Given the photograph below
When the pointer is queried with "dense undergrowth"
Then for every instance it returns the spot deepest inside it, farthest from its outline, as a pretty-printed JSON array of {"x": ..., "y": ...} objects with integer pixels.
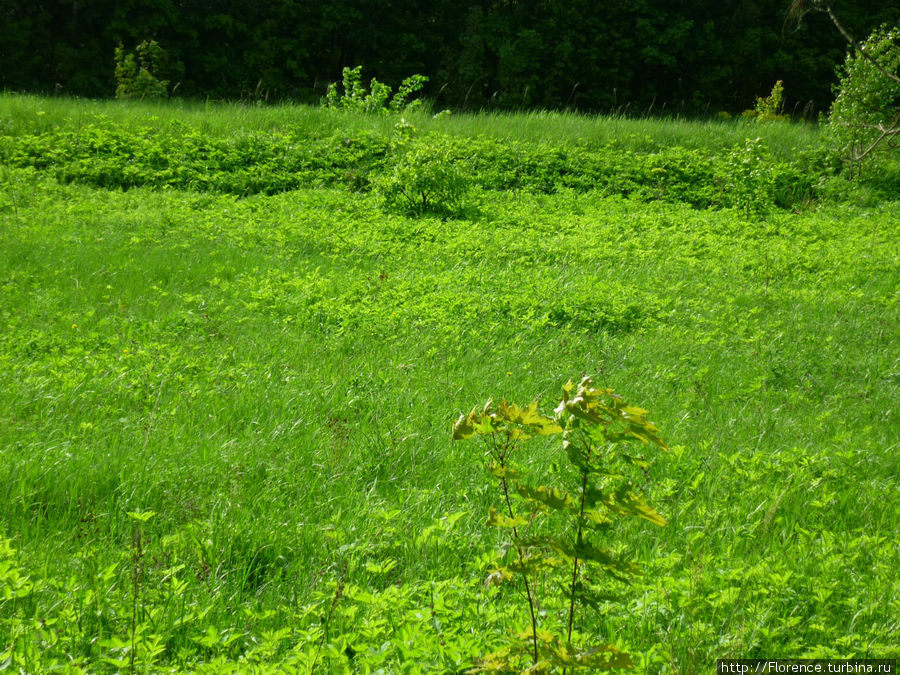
[
  {"x": 226, "y": 403},
  {"x": 178, "y": 154},
  {"x": 267, "y": 163}
]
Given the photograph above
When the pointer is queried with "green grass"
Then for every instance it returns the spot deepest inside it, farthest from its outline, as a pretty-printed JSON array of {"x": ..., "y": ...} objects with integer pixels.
[
  {"x": 275, "y": 377},
  {"x": 31, "y": 114}
]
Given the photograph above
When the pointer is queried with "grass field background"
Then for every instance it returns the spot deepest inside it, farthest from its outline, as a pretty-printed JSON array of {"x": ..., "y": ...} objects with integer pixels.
[{"x": 274, "y": 376}]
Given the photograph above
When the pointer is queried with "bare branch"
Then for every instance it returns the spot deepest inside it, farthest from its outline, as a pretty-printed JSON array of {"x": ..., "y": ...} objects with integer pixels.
[
  {"x": 799, "y": 9},
  {"x": 885, "y": 136},
  {"x": 856, "y": 45}
]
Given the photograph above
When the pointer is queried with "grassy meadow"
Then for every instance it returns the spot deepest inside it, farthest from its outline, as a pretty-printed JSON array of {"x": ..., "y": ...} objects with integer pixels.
[{"x": 228, "y": 375}]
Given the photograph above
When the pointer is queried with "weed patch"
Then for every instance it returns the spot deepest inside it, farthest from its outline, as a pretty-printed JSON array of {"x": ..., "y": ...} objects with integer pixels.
[{"x": 431, "y": 173}]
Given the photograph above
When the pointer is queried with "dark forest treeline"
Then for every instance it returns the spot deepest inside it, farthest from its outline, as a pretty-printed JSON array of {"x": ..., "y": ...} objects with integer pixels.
[{"x": 687, "y": 55}]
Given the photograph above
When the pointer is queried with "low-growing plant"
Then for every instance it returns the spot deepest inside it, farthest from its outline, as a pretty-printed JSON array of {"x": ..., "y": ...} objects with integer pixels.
[
  {"x": 768, "y": 108},
  {"x": 751, "y": 189},
  {"x": 750, "y": 185},
  {"x": 111, "y": 156},
  {"x": 559, "y": 548},
  {"x": 137, "y": 73},
  {"x": 378, "y": 98},
  {"x": 138, "y": 572},
  {"x": 423, "y": 177}
]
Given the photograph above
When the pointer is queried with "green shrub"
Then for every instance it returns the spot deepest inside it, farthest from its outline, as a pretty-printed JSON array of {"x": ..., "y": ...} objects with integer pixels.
[
  {"x": 378, "y": 98},
  {"x": 750, "y": 183},
  {"x": 865, "y": 117},
  {"x": 424, "y": 177},
  {"x": 768, "y": 108},
  {"x": 434, "y": 174},
  {"x": 137, "y": 74}
]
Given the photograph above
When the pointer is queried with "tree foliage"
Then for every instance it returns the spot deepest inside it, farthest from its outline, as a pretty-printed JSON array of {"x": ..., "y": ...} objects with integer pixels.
[
  {"x": 865, "y": 117},
  {"x": 136, "y": 72},
  {"x": 636, "y": 57},
  {"x": 352, "y": 94}
]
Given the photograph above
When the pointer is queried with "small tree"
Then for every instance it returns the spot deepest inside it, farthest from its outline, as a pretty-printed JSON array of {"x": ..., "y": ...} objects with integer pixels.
[
  {"x": 865, "y": 116},
  {"x": 559, "y": 526}
]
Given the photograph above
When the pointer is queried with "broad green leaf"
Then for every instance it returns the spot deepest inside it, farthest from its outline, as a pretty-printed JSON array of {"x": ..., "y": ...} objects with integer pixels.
[
  {"x": 519, "y": 433},
  {"x": 502, "y": 471},
  {"x": 141, "y": 516},
  {"x": 518, "y": 423},
  {"x": 634, "y": 411},
  {"x": 597, "y": 517},
  {"x": 496, "y": 519},
  {"x": 624, "y": 502},
  {"x": 619, "y": 568},
  {"x": 639, "y": 507},
  {"x": 600, "y": 657},
  {"x": 590, "y": 596},
  {"x": 464, "y": 427},
  {"x": 613, "y": 419},
  {"x": 648, "y": 433},
  {"x": 576, "y": 454},
  {"x": 475, "y": 423},
  {"x": 494, "y": 662},
  {"x": 497, "y": 577},
  {"x": 529, "y": 416},
  {"x": 533, "y": 563},
  {"x": 551, "y": 497}
]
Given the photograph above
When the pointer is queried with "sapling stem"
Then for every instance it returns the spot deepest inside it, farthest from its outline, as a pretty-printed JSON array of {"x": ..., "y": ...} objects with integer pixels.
[
  {"x": 338, "y": 594},
  {"x": 500, "y": 457},
  {"x": 578, "y": 540},
  {"x": 137, "y": 555}
]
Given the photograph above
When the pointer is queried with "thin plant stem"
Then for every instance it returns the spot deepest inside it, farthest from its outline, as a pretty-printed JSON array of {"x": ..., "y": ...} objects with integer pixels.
[
  {"x": 501, "y": 458},
  {"x": 137, "y": 554},
  {"x": 578, "y": 540},
  {"x": 338, "y": 593},
  {"x": 849, "y": 38}
]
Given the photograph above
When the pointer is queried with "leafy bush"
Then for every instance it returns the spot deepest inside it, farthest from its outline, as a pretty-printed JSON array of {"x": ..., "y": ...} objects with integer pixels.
[
  {"x": 378, "y": 98},
  {"x": 424, "y": 177},
  {"x": 768, "y": 108},
  {"x": 865, "y": 115},
  {"x": 137, "y": 73},
  {"x": 751, "y": 185},
  {"x": 554, "y": 532}
]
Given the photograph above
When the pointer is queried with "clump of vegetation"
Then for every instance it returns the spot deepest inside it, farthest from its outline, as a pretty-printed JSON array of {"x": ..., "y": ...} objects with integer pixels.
[
  {"x": 750, "y": 179},
  {"x": 865, "y": 116},
  {"x": 397, "y": 161},
  {"x": 378, "y": 98},
  {"x": 137, "y": 73},
  {"x": 769, "y": 108},
  {"x": 423, "y": 177},
  {"x": 558, "y": 547}
]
